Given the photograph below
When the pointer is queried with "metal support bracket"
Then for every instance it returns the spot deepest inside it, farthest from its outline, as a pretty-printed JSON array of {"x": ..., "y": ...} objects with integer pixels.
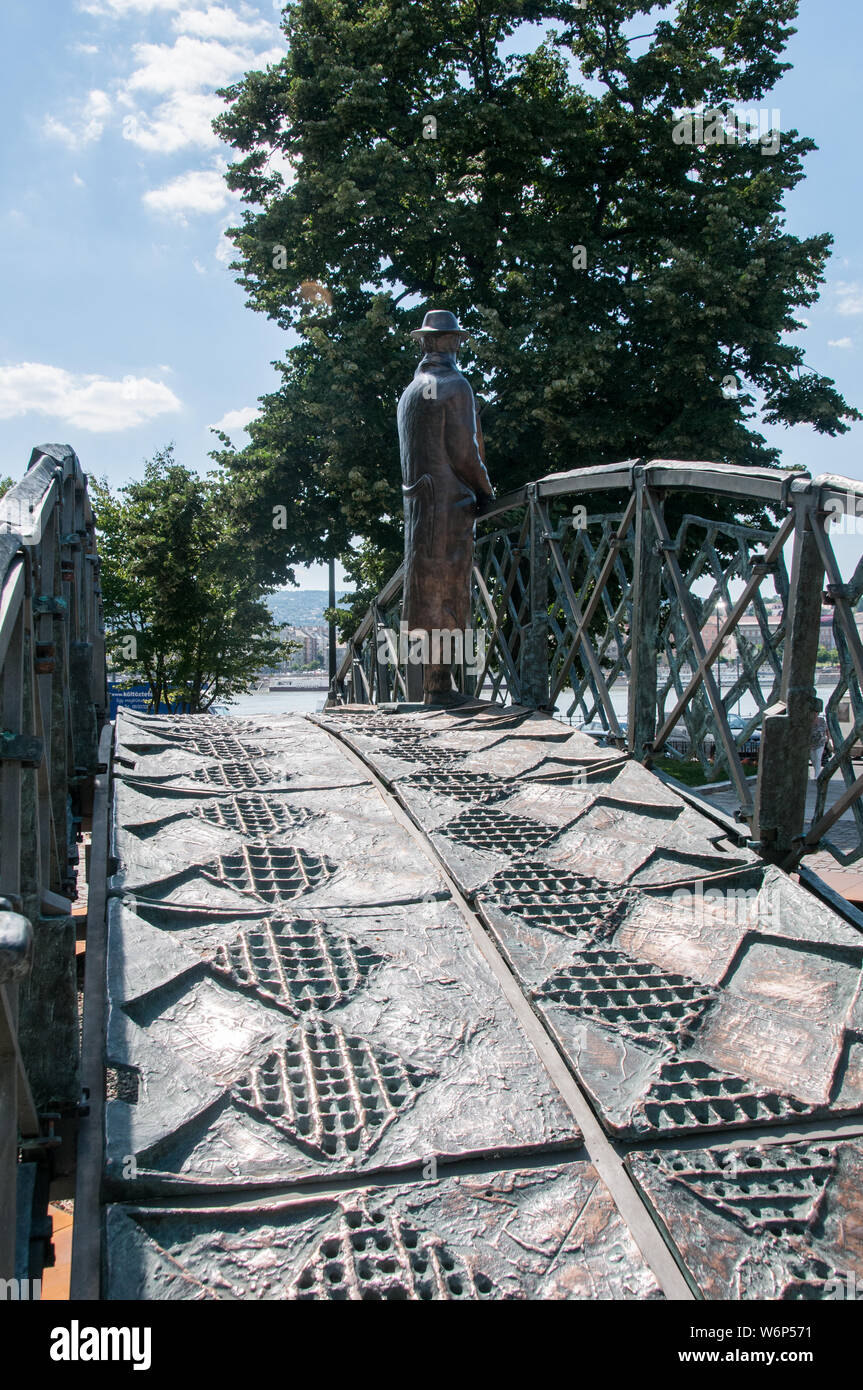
[
  {"x": 21, "y": 748},
  {"x": 49, "y": 603}
]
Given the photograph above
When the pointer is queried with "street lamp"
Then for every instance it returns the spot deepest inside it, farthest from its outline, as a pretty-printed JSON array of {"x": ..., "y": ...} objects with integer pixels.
[{"x": 332, "y": 625}]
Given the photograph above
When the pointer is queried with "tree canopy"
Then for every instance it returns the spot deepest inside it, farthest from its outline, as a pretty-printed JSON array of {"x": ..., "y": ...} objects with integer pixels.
[
  {"x": 629, "y": 281},
  {"x": 182, "y": 604}
]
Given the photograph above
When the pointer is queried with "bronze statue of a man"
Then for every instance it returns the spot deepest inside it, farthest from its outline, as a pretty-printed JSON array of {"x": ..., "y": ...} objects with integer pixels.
[{"x": 443, "y": 476}]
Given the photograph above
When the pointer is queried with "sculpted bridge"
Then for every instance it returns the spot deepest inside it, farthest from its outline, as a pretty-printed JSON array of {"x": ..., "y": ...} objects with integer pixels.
[{"x": 395, "y": 1002}]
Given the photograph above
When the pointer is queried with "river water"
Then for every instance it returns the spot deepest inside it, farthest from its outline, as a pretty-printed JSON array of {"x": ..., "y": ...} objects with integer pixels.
[
  {"x": 303, "y": 701},
  {"x": 279, "y": 702}
]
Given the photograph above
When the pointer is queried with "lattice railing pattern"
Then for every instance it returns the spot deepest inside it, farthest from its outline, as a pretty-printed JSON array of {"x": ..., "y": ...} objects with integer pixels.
[
  {"x": 702, "y": 640},
  {"x": 838, "y": 826},
  {"x": 718, "y": 555},
  {"x": 597, "y": 561},
  {"x": 501, "y": 608}
]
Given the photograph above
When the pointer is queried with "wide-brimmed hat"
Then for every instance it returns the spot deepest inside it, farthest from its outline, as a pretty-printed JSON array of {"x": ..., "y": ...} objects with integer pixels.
[{"x": 438, "y": 321}]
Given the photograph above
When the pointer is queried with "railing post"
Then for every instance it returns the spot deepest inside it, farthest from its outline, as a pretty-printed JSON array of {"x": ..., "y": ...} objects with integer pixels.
[
  {"x": 533, "y": 651},
  {"x": 382, "y": 675},
  {"x": 783, "y": 762},
  {"x": 85, "y": 736},
  {"x": 643, "y": 652},
  {"x": 413, "y": 674},
  {"x": 15, "y": 945},
  {"x": 11, "y": 678}
]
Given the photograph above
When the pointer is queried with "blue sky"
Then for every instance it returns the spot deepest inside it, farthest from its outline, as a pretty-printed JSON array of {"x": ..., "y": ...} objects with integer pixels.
[{"x": 122, "y": 327}]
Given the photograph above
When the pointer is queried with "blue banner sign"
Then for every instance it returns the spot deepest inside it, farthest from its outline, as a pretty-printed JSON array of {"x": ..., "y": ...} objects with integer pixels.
[{"x": 133, "y": 697}]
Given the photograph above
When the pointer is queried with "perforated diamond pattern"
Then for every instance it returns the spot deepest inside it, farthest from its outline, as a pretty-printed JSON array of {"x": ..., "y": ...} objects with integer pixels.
[
  {"x": 418, "y": 748},
  {"x": 373, "y": 1256},
  {"x": 273, "y": 873},
  {"x": 497, "y": 833},
  {"x": 562, "y": 901},
  {"x": 254, "y": 815},
  {"x": 333, "y": 1094},
  {"x": 378, "y": 725},
  {"x": 692, "y": 1094},
  {"x": 443, "y": 758},
  {"x": 170, "y": 727},
  {"x": 236, "y": 774},
  {"x": 810, "y": 1277},
  {"x": 462, "y": 786},
  {"x": 225, "y": 749},
  {"x": 776, "y": 1188},
  {"x": 410, "y": 744},
  {"x": 631, "y": 996},
  {"x": 296, "y": 965}
]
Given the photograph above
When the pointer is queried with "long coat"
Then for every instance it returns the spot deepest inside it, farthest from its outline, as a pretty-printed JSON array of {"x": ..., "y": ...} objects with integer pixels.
[{"x": 443, "y": 474}]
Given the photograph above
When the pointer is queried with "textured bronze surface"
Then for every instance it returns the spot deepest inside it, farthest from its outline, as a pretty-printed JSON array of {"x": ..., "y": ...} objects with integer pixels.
[
  {"x": 692, "y": 988},
  {"x": 292, "y": 986},
  {"x": 775, "y": 1221},
  {"x": 549, "y": 1232},
  {"x": 299, "y": 995}
]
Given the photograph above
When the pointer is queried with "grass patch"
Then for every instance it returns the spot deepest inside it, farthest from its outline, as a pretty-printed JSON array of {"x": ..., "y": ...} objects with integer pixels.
[{"x": 690, "y": 773}]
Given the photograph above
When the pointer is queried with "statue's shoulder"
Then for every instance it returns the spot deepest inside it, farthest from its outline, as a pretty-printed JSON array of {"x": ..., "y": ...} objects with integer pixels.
[
  {"x": 454, "y": 385},
  {"x": 441, "y": 385}
]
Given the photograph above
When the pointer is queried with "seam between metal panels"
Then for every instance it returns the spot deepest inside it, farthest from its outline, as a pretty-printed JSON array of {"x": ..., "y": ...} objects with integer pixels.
[
  {"x": 662, "y": 1258},
  {"x": 304, "y": 1191},
  {"x": 87, "y": 1237}
]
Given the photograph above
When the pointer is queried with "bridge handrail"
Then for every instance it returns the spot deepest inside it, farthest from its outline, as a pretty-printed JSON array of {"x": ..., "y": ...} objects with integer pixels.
[
  {"x": 543, "y": 606},
  {"x": 53, "y": 700},
  {"x": 766, "y": 483}
]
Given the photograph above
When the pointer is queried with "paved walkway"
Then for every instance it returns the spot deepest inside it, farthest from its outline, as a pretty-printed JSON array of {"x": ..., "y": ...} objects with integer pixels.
[{"x": 457, "y": 1005}]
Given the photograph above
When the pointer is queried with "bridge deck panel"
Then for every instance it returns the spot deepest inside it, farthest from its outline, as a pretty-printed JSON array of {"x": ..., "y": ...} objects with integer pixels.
[{"x": 301, "y": 1019}]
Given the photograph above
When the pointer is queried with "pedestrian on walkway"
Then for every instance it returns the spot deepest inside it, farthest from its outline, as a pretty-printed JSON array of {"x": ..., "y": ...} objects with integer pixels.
[{"x": 818, "y": 737}]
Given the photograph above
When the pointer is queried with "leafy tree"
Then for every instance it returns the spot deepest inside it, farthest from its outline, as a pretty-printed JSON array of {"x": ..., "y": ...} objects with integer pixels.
[
  {"x": 616, "y": 276},
  {"x": 182, "y": 603}
]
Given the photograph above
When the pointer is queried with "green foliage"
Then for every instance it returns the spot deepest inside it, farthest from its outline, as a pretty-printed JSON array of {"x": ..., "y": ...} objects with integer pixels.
[
  {"x": 5, "y": 484},
  {"x": 182, "y": 604},
  {"x": 690, "y": 274}
]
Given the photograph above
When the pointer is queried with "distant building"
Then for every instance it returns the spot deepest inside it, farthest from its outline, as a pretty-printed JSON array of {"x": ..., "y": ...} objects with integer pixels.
[
  {"x": 311, "y": 645},
  {"x": 750, "y": 629}
]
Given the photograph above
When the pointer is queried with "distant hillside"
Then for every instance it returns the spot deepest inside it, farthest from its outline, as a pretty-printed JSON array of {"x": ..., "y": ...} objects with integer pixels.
[{"x": 300, "y": 607}]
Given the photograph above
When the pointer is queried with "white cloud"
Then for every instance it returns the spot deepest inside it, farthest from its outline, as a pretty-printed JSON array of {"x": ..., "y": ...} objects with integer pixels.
[
  {"x": 88, "y": 124},
  {"x": 225, "y": 251},
  {"x": 218, "y": 22},
  {"x": 237, "y": 420},
  {"x": 840, "y": 342},
  {"x": 850, "y": 298},
  {"x": 198, "y": 191},
  {"x": 184, "y": 75},
  {"x": 88, "y": 48},
  {"x": 86, "y": 402},
  {"x": 278, "y": 163},
  {"x": 78, "y": 181},
  {"x": 185, "y": 119},
  {"x": 186, "y": 66},
  {"x": 116, "y": 9}
]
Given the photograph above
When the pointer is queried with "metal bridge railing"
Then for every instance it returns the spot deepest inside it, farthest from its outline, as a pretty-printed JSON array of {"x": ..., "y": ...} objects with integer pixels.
[
  {"x": 54, "y": 698},
  {"x": 616, "y": 584}
]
